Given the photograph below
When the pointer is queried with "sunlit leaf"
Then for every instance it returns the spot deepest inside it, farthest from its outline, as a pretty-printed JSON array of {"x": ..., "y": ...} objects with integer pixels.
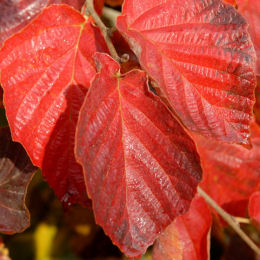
[
  {"x": 46, "y": 71},
  {"x": 141, "y": 168},
  {"x": 200, "y": 54}
]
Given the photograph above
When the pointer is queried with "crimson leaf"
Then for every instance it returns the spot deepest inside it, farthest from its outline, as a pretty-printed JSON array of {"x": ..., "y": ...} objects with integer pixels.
[
  {"x": 254, "y": 208},
  {"x": 141, "y": 168},
  {"x": 200, "y": 54},
  {"x": 231, "y": 173},
  {"x": 46, "y": 71}
]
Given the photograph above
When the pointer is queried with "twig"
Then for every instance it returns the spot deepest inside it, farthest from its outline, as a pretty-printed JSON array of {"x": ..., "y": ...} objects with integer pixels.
[
  {"x": 230, "y": 220},
  {"x": 104, "y": 30},
  {"x": 110, "y": 14},
  {"x": 242, "y": 220}
]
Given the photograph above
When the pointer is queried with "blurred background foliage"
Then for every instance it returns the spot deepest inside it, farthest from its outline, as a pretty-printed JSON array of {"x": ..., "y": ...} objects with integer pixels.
[
  {"x": 56, "y": 233},
  {"x": 71, "y": 234}
]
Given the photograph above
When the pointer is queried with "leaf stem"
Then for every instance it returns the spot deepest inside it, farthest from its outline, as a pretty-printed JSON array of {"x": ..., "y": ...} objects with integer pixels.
[
  {"x": 104, "y": 30},
  {"x": 230, "y": 220}
]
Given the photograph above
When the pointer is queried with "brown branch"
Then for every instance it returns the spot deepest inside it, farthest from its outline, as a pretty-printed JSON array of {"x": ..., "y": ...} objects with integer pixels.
[
  {"x": 230, "y": 220},
  {"x": 104, "y": 31}
]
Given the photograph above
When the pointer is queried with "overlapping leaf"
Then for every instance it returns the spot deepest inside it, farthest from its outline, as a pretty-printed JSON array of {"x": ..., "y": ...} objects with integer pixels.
[
  {"x": 201, "y": 56},
  {"x": 250, "y": 9},
  {"x": 187, "y": 238},
  {"x": 257, "y": 102},
  {"x": 46, "y": 71},
  {"x": 140, "y": 167},
  {"x": 16, "y": 171},
  {"x": 254, "y": 208},
  {"x": 15, "y": 14},
  {"x": 231, "y": 173}
]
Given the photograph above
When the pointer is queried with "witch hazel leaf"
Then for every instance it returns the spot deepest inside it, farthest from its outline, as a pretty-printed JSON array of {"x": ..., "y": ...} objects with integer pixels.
[
  {"x": 250, "y": 9},
  {"x": 140, "y": 167},
  {"x": 257, "y": 102},
  {"x": 187, "y": 238},
  {"x": 200, "y": 54},
  {"x": 254, "y": 208},
  {"x": 231, "y": 173},
  {"x": 15, "y": 14},
  {"x": 46, "y": 71},
  {"x": 16, "y": 171}
]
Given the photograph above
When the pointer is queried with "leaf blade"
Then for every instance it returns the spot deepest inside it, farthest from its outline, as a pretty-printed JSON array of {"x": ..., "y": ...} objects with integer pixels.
[
  {"x": 128, "y": 142},
  {"x": 44, "y": 90},
  {"x": 16, "y": 171},
  {"x": 230, "y": 172},
  {"x": 187, "y": 238},
  {"x": 202, "y": 61}
]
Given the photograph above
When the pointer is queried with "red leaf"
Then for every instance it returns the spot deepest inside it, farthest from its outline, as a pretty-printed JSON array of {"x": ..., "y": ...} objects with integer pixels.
[
  {"x": 200, "y": 55},
  {"x": 46, "y": 70},
  {"x": 141, "y": 168},
  {"x": 187, "y": 238},
  {"x": 254, "y": 208},
  {"x": 250, "y": 9},
  {"x": 16, "y": 171},
  {"x": 257, "y": 103},
  {"x": 15, "y": 14},
  {"x": 231, "y": 173}
]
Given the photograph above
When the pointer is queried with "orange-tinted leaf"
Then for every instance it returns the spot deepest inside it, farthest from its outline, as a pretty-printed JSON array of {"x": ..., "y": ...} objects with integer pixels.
[
  {"x": 99, "y": 4},
  {"x": 231, "y": 173},
  {"x": 16, "y": 171},
  {"x": 46, "y": 71},
  {"x": 233, "y": 2},
  {"x": 201, "y": 56},
  {"x": 187, "y": 238},
  {"x": 254, "y": 208},
  {"x": 250, "y": 9},
  {"x": 141, "y": 168},
  {"x": 15, "y": 14}
]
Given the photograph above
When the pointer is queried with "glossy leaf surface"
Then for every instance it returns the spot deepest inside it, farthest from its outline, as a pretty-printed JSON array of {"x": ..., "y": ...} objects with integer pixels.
[
  {"x": 231, "y": 173},
  {"x": 16, "y": 171},
  {"x": 250, "y": 9},
  {"x": 141, "y": 168},
  {"x": 15, "y": 14},
  {"x": 254, "y": 208},
  {"x": 187, "y": 238},
  {"x": 201, "y": 56},
  {"x": 46, "y": 71}
]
